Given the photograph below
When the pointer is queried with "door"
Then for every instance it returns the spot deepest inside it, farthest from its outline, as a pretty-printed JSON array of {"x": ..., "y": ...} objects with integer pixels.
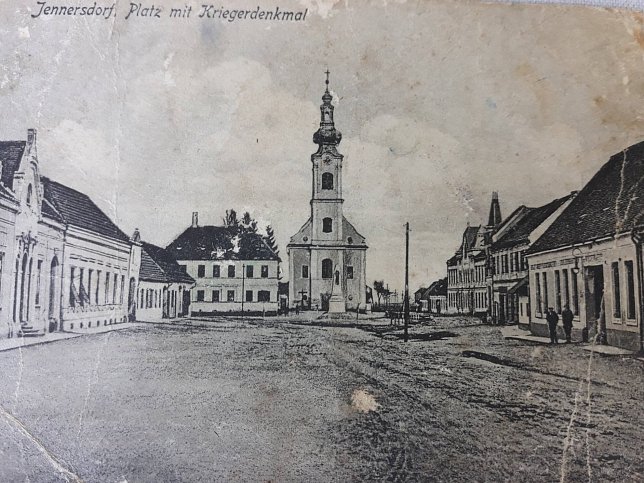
[
  {"x": 186, "y": 302},
  {"x": 324, "y": 297},
  {"x": 595, "y": 317}
]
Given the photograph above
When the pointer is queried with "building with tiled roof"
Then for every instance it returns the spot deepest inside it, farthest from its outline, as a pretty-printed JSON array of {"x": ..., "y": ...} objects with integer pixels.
[
  {"x": 234, "y": 269},
  {"x": 590, "y": 257},
  {"x": 434, "y": 298},
  {"x": 64, "y": 264},
  {"x": 508, "y": 266},
  {"x": 164, "y": 286}
]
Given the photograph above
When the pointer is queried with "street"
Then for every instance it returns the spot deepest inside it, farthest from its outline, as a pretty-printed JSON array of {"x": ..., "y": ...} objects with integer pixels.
[{"x": 323, "y": 400}]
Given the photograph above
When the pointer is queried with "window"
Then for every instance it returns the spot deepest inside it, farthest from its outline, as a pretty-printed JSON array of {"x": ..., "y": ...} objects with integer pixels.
[
  {"x": 215, "y": 295},
  {"x": 120, "y": 293},
  {"x": 141, "y": 297},
  {"x": 201, "y": 271},
  {"x": 264, "y": 271},
  {"x": 98, "y": 283},
  {"x": 29, "y": 194},
  {"x": 350, "y": 272},
  {"x": 305, "y": 271},
  {"x": 231, "y": 271},
  {"x": 630, "y": 290},
  {"x": 263, "y": 296},
  {"x": 216, "y": 271},
  {"x": 617, "y": 302},
  {"x": 557, "y": 291},
  {"x": 90, "y": 272},
  {"x": 327, "y": 181},
  {"x": 327, "y": 225},
  {"x": 537, "y": 285},
  {"x": 38, "y": 270},
  {"x": 327, "y": 268},
  {"x": 249, "y": 295},
  {"x": 107, "y": 288},
  {"x": 545, "y": 291},
  {"x": 114, "y": 289},
  {"x": 566, "y": 288},
  {"x": 249, "y": 271},
  {"x": 200, "y": 295},
  {"x": 231, "y": 295}
]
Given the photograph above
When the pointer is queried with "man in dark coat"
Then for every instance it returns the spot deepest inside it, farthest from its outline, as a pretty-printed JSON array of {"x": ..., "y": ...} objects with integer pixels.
[
  {"x": 566, "y": 318},
  {"x": 552, "y": 319}
]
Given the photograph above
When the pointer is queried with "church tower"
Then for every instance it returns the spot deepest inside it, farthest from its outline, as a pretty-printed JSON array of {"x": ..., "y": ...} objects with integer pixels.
[{"x": 327, "y": 257}]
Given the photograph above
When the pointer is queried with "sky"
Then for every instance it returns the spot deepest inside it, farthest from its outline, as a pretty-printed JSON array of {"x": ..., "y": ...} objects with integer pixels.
[{"x": 440, "y": 103}]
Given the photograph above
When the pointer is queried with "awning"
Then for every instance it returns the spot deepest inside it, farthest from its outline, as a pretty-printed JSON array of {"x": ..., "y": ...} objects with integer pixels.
[{"x": 520, "y": 288}]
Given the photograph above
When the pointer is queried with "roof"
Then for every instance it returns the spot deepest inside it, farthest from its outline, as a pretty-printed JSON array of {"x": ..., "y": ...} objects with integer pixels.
[
  {"x": 531, "y": 219},
  {"x": 158, "y": 265},
  {"x": 10, "y": 154},
  {"x": 349, "y": 234},
  {"x": 470, "y": 236},
  {"x": 220, "y": 243},
  {"x": 612, "y": 202},
  {"x": 437, "y": 288},
  {"x": 74, "y": 208}
]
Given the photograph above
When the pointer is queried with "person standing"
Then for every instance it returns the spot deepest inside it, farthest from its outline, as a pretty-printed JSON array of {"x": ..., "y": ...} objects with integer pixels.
[
  {"x": 552, "y": 319},
  {"x": 566, "y": 318}
]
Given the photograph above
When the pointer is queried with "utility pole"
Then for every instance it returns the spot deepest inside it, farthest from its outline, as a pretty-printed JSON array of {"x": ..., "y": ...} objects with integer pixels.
[{"x": 406, "y": 281}]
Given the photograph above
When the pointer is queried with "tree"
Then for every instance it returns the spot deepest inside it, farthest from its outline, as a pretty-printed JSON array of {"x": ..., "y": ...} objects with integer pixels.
[
  {"x": 248, "y": 224},
  {"x": 379, "y": 287},
  {"x": 270, "y": 239},
  {"x": 230, "y": 220}
]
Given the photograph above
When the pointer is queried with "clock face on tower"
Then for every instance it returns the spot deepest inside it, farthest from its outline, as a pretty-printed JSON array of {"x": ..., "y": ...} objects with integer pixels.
[{"x": 326, "y": 160}]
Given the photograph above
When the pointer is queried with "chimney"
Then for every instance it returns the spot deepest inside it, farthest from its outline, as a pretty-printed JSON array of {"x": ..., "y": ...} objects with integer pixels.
[
  {"x": 195, "y": 219},
  {"x": 136, "y": 236}
]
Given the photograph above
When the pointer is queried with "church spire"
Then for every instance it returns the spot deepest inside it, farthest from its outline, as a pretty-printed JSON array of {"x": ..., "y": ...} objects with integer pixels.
[{"x": 327, "y": 134}]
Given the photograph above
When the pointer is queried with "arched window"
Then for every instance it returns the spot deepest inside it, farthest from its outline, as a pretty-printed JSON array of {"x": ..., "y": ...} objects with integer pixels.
[
  {"x": 327, "y": 181},
  {"x": 327, "y": 225},
  {"x": 327, "y": 268},
  {"x": 29, "y": 195}
]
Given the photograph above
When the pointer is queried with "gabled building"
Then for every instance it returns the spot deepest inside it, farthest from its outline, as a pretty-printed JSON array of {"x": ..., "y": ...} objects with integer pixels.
[
  {"x": 327, "y": 256},
  {"x": 508, "y": 283},
  {"x": 164, "y": 286},
  {"x": 467, "y": 270},
  {"x": 63, "y": 263},
  {"x": 234, "y": 269},
  {"x": 590, "y": 258},
  {"x": 434, "y": 298}
]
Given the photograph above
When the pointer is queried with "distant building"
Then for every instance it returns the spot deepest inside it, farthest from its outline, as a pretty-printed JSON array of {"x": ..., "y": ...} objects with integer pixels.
[
  {"x": 64, "y": 265},
  {"x": 434, "y": 298},
  {"x": 508, "y": 282},
  {"x": 233, "y": 269},
  {"x": 327, "y": 256},
  {"x": 467, "y": 270},
  {"x": 590, "y": 258},
  {"x": 164, "y": 286}
]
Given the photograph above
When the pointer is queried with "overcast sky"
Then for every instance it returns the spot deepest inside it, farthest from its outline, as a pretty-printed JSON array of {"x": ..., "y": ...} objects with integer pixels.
[{"x": 439, "y": 104}]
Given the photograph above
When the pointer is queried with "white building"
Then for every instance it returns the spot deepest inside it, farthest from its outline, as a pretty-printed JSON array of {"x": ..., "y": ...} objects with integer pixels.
[
  {"x": 234, "y": 270},
  {"x": 590, "y": 258},
  {"x": 164, "y": 286},
  {"x": 63, "y": 262},
  {"x": 327, "y": 256}
]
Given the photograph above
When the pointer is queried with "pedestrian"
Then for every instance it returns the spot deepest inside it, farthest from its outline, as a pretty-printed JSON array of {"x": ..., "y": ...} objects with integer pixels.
[
  {"x": 552, "y": 319},
  {"x": 566, "y": 318},
  {"x": 297, "y": 309}
]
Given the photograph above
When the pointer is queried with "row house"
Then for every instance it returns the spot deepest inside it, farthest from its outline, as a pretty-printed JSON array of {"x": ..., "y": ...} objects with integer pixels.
[
  {"x": 434, "y": 298},
  {"x": 63, "y": 263},
  {"x": 508, "y": 275},
  {"x": 467, "y": 270},
  {"x": 164, "y": 286},
  {"x": 235, "y": 270},
  {"x": 590, "y": 257}
]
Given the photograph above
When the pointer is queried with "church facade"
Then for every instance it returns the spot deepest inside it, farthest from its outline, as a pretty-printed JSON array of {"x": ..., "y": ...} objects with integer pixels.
[{"x": 327, "y": 256}]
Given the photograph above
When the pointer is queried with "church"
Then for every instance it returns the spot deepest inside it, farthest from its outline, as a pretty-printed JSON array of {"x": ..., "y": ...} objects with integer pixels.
[{"x": 327, "y": 256}]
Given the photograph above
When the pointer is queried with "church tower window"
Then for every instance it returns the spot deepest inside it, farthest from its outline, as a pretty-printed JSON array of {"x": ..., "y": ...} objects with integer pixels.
[
  {"x": 327, "y": 268},
  {"x": 29, "y": 194},
  {"x": 327, "y": 181},
  {"x": 327, "y": 225}
]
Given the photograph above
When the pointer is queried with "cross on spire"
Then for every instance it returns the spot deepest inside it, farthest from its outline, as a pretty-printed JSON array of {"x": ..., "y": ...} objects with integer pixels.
[{"x": 327, "y": 79}]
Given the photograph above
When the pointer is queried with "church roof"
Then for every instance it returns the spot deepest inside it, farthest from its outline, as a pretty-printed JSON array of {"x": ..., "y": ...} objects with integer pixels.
[
  {"x": 349, "y": 233},
  {"x": 220, "y": 243},
  {"x": 74, "y": 208},
  {"x": 158, "y": 265},
  {"x": 612, "y": 202},
  {"x": 10, "y": 155}
]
